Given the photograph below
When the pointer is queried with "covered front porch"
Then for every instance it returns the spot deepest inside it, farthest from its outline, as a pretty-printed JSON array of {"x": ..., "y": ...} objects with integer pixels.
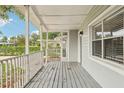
[
  {"x": 41, "y": 69},
  {"x": 62, "y": 75}
]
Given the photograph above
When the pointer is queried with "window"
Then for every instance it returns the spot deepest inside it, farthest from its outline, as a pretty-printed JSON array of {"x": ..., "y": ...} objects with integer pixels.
[
  {"x": 113, "y": 38},
  {"x": 113, "y": 49},
  {"x": 97, "y": 40},
  {"x": 113, "y": 27},
  {"x": 110, "y": 38},
  {"x": 97, "y": 48}
]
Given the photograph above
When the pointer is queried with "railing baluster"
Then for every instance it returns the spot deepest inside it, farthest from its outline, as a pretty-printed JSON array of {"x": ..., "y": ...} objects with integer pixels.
[
  {"x": 23, "y": 71},
  {"x": 22, "y": 65},
  {"x": 16, "y": 84},
  {"x": 1, "y": 64},
  {"x": 25, "y": 77},
  {"x": 17, "y": 73},
  {"x": 10, "y": 64},
  {"x": 19, "y": 69},
  {"x": 6, "y": 73},
  {"x": 14, "y": 73},
  {"x": 28, "y": 69}
]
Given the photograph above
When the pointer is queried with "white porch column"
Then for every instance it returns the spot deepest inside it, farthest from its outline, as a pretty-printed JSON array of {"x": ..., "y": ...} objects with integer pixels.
[
  {"x": 61, "y": 45},
  {"x": 46, "y": 46},
  {"x": 27, "y": 29},
  {"x": 41, "y": 41},
  {"x": 27, "y": 42}
]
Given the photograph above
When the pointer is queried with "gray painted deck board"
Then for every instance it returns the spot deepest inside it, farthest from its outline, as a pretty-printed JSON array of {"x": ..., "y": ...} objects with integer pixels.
[
  {"x": 73, "y": 83},
  {"x": 60, "y": 76},
  {"x": 68, "y": 76},
  {"x": 64, "y": 80},
  {"x": 51, "y": 82},
  {"x": 78, "y": 78},
  {"x": 43, "y": 80},
  {"x": 56, "y": 80},
  {"x": 39, "y": 80},
  {"x": 63, "y": 75}
]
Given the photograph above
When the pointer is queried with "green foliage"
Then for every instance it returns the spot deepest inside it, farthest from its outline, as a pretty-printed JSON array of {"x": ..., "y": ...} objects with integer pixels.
[
  {"x": 4, "y": 66},
  {"x": 44, "y": 35},
  {"x": 5, "y": 9},
  {"x": 16, "y": 50},
  {"x": 34, "y": 39},
  {"x": 4, "y": 39},
  {"x": 20, "y": 40},
  {"x": 53, "y": 35},
  {"x": 12, "y": 39}
]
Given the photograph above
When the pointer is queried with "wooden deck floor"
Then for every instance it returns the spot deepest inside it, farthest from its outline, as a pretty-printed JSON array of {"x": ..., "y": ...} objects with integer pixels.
[{"x": 63, "y": 75}]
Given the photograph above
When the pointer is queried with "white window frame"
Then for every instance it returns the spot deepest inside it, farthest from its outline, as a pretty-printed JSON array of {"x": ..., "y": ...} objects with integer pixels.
[{"x": 99, "y": 19}]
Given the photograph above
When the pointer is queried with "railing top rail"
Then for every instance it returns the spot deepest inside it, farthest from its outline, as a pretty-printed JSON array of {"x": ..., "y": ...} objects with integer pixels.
[{"x": 19, "y": 56}]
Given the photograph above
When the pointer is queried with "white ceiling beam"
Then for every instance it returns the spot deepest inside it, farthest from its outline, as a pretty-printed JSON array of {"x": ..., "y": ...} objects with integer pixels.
[
  {"x": 63, "y": 15},
  {"x": 38, "y": 16}
]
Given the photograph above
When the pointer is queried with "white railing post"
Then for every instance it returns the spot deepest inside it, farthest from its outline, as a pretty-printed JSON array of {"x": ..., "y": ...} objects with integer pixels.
[
  {"x": 28, "y": 68},
  {"x": 1, "y": 73},
  {"x": 10, "y": 68},
  {"x": 46, "y": 46},
  {"x": 61, "y": 45},
  {"x": 6, "y": 73},
  {"x": 41, "y": 43}
]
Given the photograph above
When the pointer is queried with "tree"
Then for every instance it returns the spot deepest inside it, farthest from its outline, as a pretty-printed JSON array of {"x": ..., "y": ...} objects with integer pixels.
[
  {"x": 1, "y": 32},
  {"x": 4, "y": 9},
  {"x": 20, "y": 40},
  {"x": 53, "y": 35},
  {"x": 4, "y": 39},
  {"x": 12, "y": 39},
  {"x": 34, "y": 38}
]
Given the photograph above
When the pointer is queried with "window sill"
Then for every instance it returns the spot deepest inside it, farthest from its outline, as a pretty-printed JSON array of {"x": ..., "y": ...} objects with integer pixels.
[{"x": 119, "y": 68}]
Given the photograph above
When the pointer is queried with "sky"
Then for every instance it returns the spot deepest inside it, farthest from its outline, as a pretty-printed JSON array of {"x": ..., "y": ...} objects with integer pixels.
[{"x": 14, "y": 26}]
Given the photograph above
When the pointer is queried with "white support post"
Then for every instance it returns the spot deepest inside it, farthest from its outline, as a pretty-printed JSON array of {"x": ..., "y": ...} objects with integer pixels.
[
  {"x": 79, "y": 47},
  {"x": 27, "y": 40},
  {"x": 68, "y": 45},
  {"x": 123, "y": 40},
  {"x": 41, "y": 41},
  {"x": 46, "y": 46},
  {"x": 27, "y": 29},
  {"x": 102, "y": 41},
  {"x": 61, "y": 46}
]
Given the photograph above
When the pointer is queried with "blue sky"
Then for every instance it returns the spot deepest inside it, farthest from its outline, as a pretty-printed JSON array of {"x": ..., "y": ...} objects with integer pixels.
[{"x": 15, "y": 26}]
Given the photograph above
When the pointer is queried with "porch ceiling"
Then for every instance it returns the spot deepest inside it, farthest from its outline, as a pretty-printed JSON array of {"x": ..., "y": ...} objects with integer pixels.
[{"x": 61, "y": 17}]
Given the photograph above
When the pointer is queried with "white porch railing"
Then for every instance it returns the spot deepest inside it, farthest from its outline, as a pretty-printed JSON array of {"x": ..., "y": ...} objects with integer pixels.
[
  {"x": 17, "y": 71},
  {"x": 53, "y": 55}
]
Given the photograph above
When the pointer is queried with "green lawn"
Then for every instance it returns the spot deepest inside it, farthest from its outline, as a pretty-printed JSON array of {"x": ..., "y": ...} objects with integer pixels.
[{"x": 16, "y": 50}]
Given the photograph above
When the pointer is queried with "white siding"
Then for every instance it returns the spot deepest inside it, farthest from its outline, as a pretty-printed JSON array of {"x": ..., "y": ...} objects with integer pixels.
[
  {"x": 101, "y": 71},
  {"x": 73, "y": 45}
]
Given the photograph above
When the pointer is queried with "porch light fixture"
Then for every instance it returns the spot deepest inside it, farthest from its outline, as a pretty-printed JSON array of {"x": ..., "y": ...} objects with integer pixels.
[{"x": 81, "y": 32}]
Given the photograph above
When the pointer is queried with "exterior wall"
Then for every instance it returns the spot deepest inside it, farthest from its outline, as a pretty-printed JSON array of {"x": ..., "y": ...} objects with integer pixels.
[
  {"x": 107, "y": 75},
  {"x": 104, "y": 74},
  {"x": 73, "y": 45}
]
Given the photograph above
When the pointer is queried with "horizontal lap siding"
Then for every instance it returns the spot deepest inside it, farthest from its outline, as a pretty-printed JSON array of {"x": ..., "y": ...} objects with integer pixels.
[{"x": 104, "y": 75}]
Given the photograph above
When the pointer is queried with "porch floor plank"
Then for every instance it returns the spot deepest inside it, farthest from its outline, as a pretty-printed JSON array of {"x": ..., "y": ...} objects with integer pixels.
[{"x": 63, "y": 75}]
